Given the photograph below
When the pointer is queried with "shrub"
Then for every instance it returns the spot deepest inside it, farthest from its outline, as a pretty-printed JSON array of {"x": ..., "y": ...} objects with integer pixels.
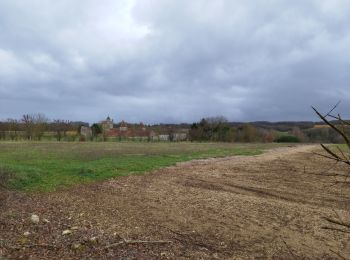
[{"x": 287, "y": 139}]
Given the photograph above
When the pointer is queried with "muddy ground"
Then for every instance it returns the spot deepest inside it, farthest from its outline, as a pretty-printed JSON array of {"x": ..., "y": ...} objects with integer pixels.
[{"x": 269, "y": 206}]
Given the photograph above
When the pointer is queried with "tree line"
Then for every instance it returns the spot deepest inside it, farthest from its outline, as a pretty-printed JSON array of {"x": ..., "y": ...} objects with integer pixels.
[
  {"x": 218, "y": 129},
  {"x": 34, "y": 126},
  {"x": 212, "y": 129}
]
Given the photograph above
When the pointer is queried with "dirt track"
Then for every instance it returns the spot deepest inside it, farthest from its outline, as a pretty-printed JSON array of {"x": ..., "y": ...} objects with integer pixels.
[{"x": 266, "y": 206}]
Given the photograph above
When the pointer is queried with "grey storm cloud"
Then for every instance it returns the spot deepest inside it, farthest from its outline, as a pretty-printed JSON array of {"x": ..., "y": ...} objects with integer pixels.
[{"x": 174, "y": 61}]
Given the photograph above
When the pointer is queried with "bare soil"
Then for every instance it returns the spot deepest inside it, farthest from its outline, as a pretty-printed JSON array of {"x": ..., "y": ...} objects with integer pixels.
[{"x": 269, "y": 206}]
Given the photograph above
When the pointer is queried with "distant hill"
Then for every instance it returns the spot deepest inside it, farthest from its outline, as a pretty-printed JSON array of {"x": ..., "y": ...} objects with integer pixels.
[{"x": 282, "y": 126}]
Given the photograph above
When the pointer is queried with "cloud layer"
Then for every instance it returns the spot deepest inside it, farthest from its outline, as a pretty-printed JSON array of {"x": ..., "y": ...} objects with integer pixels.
[{"x": 174, "y": 61}]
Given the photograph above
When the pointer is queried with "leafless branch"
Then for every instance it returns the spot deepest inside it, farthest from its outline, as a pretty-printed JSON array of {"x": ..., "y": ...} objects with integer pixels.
[
  {"x": 339, "y": 131},
  {"x": 340, "y": 156},
  {"x": 332, "y": 158},
  {"x": 330, "y": 111}
]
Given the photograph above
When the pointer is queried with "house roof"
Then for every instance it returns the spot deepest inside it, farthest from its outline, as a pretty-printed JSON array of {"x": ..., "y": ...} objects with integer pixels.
[{"x": 116, "y": 132}]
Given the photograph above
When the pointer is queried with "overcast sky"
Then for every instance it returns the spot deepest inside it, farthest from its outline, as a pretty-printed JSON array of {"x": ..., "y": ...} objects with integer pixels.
[{"x": 174, "y": 60}]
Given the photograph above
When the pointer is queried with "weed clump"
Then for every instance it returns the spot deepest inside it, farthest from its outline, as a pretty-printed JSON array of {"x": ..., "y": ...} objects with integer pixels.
[{"x": 5, "y": 176}]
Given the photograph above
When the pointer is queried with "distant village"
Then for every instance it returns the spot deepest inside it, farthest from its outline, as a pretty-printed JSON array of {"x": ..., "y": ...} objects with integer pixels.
[
  {"x": 127, "y": 131},
  {"x": 38, "y": 127}
]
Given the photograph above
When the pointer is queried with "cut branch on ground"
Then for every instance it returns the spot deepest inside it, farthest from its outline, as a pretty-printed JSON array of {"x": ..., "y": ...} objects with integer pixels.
[{"x": 128, "y": 242}]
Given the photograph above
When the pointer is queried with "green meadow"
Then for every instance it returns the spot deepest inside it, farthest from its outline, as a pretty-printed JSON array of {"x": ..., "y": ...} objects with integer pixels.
[{"x": 48, "y": 166}]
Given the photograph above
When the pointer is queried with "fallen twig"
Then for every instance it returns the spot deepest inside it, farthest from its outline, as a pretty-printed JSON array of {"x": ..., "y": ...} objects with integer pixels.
[
  {"x": 128, "y": 242},
  {"x": 336, "y": 229},
  {"x": 17, "y": 247},
  {"x": 187, "y": 238},
  {"x": 40, "y": 245},
  {"x": 337, "y": 222},
  {"x": 289, "y": 249},
  {"x": 338, "y": 254}
]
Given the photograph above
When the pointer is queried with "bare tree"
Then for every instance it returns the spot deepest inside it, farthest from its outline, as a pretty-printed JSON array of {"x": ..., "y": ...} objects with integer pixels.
[
  {"x": 13, "y": 128},
  {"x": 248, "y": 133},
  {"x": 28, "y": 122},
  {"x": 60, "y": 127},
  {"x": 34, "y": 125},
  {"x": 40, "y": 125},
  {"x": 298, "y": 133},
  {"x": 341, "y": 128},
  {"x": 338, "y": 155},
  {"x": 2, "y": 131}
]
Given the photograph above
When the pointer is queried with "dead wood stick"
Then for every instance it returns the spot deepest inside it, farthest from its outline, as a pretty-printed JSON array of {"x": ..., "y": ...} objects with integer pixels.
[
  {"x": 40, "y": 245},
  {"x": 128, "y": 242},
  {"x": 334, "y": 221},
  {"x": 16, "y": 247},
  {"x": 338, "y": 254},
  {"x": 336, "y": 229},
  {"x": 289, "y": 249}
]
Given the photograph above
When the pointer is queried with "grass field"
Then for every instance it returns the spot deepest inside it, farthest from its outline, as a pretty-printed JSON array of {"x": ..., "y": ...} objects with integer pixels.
[{"x": 47, "y": 166}]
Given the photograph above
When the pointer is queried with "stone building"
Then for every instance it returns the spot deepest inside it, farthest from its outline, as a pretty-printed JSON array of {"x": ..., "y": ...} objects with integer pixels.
[
  {"x": 107, "y": 124},
  {"x": 86, "y": 132},
  {"x": 123, "y": 130},
  {"x": 123, "y": 126}
]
